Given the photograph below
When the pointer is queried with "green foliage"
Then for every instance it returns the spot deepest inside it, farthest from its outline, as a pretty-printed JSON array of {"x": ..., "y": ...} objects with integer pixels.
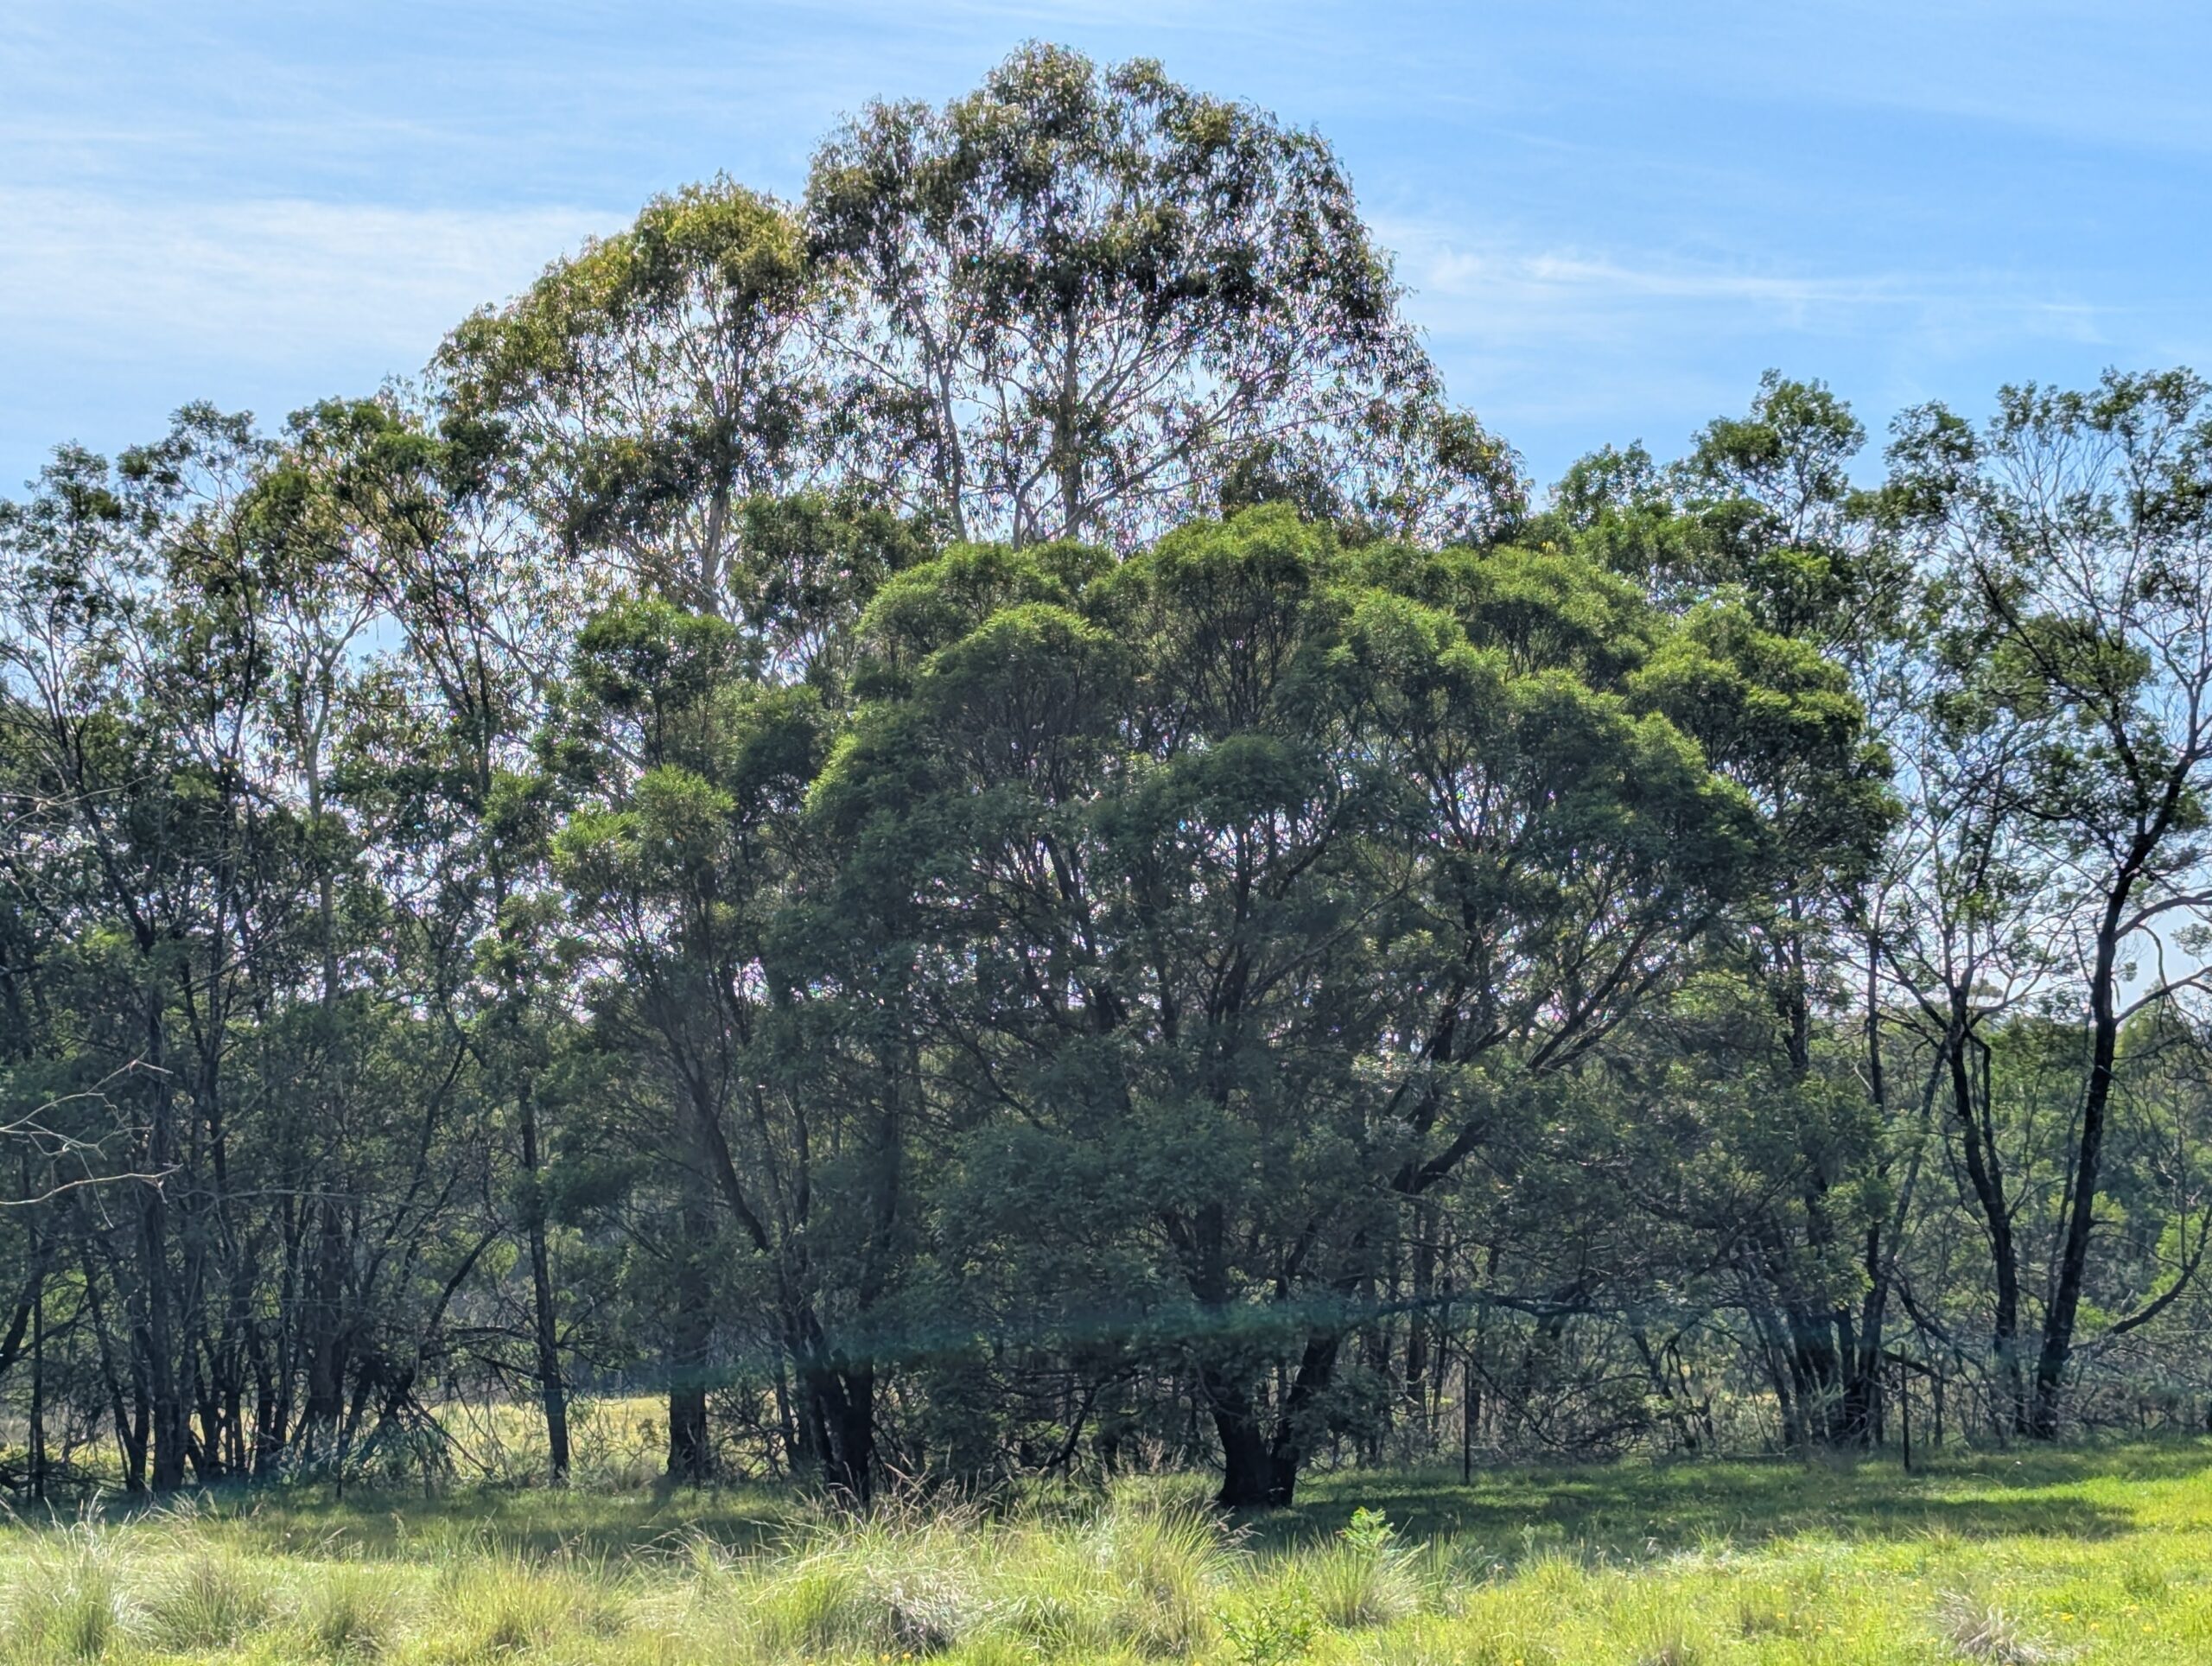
[
  {"x": 1273, "y": 1626},
  {"x": 964, "y": 826}
]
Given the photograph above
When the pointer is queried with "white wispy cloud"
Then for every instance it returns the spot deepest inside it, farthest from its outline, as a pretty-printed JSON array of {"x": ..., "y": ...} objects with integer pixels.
[
  {"x": 274, "y": 281},
  {"x": 1502, "y": 291},
  {"x": 1559, "y": 346}
]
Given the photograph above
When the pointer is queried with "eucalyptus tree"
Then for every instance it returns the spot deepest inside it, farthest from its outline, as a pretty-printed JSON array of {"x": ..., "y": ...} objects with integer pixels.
[
  {"x": 680, "y": 858},
  {"x": 134, "y": 656},
  {"x": 1085, "y": 803},
  {"x": 484, "y": 616},
  {"x": 1078, "y": 301},
  {"x": 1761, "y": 530},
  {"x": 641, "y": 392},
  {"x": 2076, "y": 535},
  {"x": 1774, "y": 776},
  {"x": 215, "y": 1033},
  {"x": 1970, "y": 913}
]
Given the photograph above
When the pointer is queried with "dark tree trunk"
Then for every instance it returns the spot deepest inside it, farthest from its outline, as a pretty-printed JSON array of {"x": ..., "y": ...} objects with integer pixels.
[
  {"x": 1247, "y": 1471},
  {"x": 1862, "y": 1390},
  {"x": 552, "y": 1391},
  {"x": 690, "y": 1449},
  {"x": 690, "y": 1443},
  {"x": 1861, "y": 1415},
  {"x": 1317, "y": 1369},
  {"x": 1985, "y": 1173},
  {"x": 2073, "y": 1251},
  {"x": 840, "y": 1424},
  {"x": 853, "y": 1466}
]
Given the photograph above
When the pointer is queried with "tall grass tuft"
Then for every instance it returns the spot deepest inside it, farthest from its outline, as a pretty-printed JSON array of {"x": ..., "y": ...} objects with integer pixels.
[
  {"x": 1137, "y": 1575},
  {"x": 1365, "y": 1579},
  {"x": 66, "y": 1602},
  {"x": 353, "y": 1612},
  {"x": 213, "y": 1598},
  {"x": 499, "y": 1602},
  {"x": 899, "y": 1580}
]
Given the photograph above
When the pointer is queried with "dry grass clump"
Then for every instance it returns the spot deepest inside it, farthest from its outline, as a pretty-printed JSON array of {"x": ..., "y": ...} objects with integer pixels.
[{"x": 1980, "y": 1630}]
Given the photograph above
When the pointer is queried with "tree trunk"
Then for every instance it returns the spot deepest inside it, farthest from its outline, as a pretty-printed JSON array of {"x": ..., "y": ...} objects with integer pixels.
[
  {"x": 1248, "y": 1473},
  {"x": 1317, "y": 1369},
  {"x": 1986, "y": 1174},
  {"x": 1862, "y": 1390},
  {"x": 1860, "y": 1422},
  {"x": 552, "y": 1391},
  {"x": 690, "y": 1449},
  {"x": 840, "y": 1424},
  {"x": 2074, "y": 1252},
  {"x": 690, "y": 1446}
]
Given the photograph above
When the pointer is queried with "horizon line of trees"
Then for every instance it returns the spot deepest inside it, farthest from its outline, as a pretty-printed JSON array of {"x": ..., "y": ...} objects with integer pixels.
[{"x": 964, "y": 823}]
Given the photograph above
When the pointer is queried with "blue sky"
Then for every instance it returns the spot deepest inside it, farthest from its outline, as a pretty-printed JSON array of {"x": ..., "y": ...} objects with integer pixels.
[{"x": 1613, "y": 215}]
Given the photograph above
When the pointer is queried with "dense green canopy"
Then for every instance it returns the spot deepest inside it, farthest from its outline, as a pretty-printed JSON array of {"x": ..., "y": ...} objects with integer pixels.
[{"x": 963, "y": 825}]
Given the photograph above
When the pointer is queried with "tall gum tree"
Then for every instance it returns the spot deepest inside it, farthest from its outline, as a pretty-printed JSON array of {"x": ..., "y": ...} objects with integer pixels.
[
  {"x": 2077, "y": 543},
  {"x": 1081, "y": 300},
  {"x": 284, "y": 1146},
  {"x": 1761, "y": 530},
  {"x": 681, "y": 857},
  {"x": 412, "y": 514},
  {"x": 637, "y": 395}
]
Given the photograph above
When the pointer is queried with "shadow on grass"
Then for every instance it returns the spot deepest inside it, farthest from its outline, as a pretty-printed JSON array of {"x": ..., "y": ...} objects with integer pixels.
[
  {"x": 536, "y": 1523},
  {"x": 1632, "y": 1507},
  {"x": 1629, "y": 1509}
]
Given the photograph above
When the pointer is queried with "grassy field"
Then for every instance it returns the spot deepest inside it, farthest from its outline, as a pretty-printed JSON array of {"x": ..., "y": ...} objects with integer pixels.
[{"x": 2092, "y": 1556}]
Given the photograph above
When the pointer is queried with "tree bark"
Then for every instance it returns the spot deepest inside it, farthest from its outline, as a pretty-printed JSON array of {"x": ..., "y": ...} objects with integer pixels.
[
  {"x": 2073, "y": 1254},
  {"x": 552, "y": 1391}
]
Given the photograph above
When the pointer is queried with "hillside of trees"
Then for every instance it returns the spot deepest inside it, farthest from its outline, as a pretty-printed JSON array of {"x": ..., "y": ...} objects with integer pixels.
[{"x": 965, "y": 828}]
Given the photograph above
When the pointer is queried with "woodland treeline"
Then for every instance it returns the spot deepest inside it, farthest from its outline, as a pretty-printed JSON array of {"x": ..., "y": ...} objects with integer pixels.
[{"x": 964, "y": 826}]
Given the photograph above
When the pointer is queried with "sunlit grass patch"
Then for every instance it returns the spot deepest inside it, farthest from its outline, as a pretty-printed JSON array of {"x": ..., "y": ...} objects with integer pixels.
[
  {"x": 2104, "y": 1557},
  {"x": 499, "y": 1605},
  {"x": 65, "y": 1595},
  {"x": 212, "y": 1598},
  {"x": 353, "y": 1610},
  {"x": 1141, "y": 1575}
]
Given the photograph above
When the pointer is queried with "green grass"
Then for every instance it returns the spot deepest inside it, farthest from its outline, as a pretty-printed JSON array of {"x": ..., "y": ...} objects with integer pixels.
[{"x": 2097, "y": 1556}]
